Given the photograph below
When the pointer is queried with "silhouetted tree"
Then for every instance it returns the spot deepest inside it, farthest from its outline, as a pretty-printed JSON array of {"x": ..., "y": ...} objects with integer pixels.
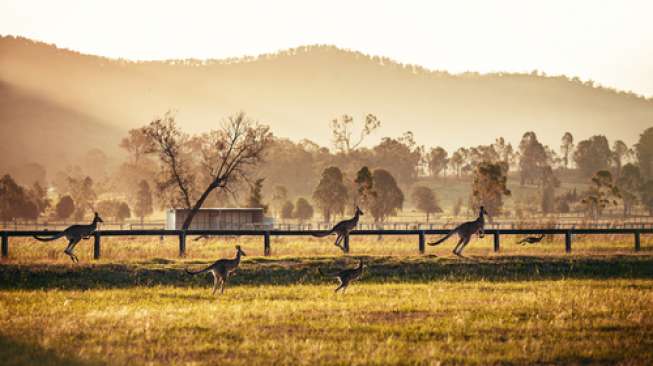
[
  {"x": 619, "y": 152},
  {"x": 330, "y": 195},
  {"x": 489, "y": 186},
  {"x": 549, "y": 182},
  {"x": 303, "y": 210},
  {"x": 389, "y": 198},
  {"x": 228, "y": 155},
  {"x": 629, "y": 184},
  {"x": 65, "y": 207},
  {"x": 365, "y": 193},
  {"x": 341, "y": 129},
  {"x": 426, "y": 201},
  {"x": 601, "y": 194},
  {"x": 566, "y": 147},
  {"x": 457, "y": 206},
  {"x": 143, "y": 206},
  {"x": 83, "y": 193},
  {"x": 592, "y": 155},
  {"x": 287, "y": 210},
  {"x": 437, "y": 161},
  {"x": 400, "y": 157},
  {"x": 255, "y": 199},
  {"x": 532, "y": 159},
  {"x": 123, "y": 212},
  {"x": 279, "y": 197},
  {"x": 644, "y": 151}
]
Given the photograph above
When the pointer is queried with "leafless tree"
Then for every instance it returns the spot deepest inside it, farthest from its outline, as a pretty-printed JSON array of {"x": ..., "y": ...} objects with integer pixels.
[
  {"x": 341, "y": 128},
  {"x": 223, "y": 157}
]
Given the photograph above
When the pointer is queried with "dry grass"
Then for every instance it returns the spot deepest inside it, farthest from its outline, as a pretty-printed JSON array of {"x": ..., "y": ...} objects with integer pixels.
[{"x": 28, "y": 250}]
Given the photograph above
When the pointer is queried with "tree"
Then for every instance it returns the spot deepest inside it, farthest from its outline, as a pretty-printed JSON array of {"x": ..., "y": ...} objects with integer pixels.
[
  {"x": 123, "y": 212},
  {"x": 458, "y": 160},
  {"x": 533, "y": 158},
  {"x": 13, "y": 200},
  {"x": 619, "y": 152},
  {"x": 341, "y": 129},
  {"x": 65, "y": 207},
  {"x": 549, "y": 182},
  {"x": 644, "y": 152},
  {"x": 226, "y": 156},
  {"x": 83, "y": 194},
  {"x": 629, "y": 184},
  {"x": 489, "y": 186},
  {"x": 279, "y": 197},
  {"x": 437, "y": 161},
  {"x": 389, "y": 198},
  {"x": 255, "y": 199},
  {"x": 566, "y": 147},
  {"x": 401, "y": 157},
  {"x": 287, "y": 210},
  {"x": 364, "y": 188},
  {"x": 601, "y": 194},
  {"x": 303, "y": 210},
  {"x": 330, "y": 195},
  {"x": 426, "y": 201},
  {"x": 593, "y": 155},
  {"x": 143, "y": 205},
  {"x": 39, "y": 197}
]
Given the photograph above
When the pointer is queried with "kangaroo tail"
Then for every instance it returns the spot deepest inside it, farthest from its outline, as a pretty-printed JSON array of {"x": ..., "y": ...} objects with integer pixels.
[
  {"x": 55, "y": 237},
  {"x": 323, "y": 234},
  {"x": 197, "y": 272},
  {"x": 444, "y": 238}
]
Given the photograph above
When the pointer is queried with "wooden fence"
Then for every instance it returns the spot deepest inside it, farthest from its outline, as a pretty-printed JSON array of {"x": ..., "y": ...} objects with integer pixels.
[{"x": 266, "y": 235}]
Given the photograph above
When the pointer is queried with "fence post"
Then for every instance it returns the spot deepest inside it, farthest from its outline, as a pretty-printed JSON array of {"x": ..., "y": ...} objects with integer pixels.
[
  {"x": 421, "y": 242},
  {"x": 96, "y": 246},
  {"x": 5, "y": 244},
  {"x": 568, "y": 242},
  {"x": 266, "y": 244},
  {"x": 497, "y": 239},
  {"x": 182, "y": 244},
  {"x": 637, "y": 241},
  {"x": 346, "y": 244}
]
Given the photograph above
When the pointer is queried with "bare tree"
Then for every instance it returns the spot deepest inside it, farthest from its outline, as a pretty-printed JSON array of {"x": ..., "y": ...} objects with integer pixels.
[
  {"x": 341, "y": 129},
  {"x": 226, "y": 155}
]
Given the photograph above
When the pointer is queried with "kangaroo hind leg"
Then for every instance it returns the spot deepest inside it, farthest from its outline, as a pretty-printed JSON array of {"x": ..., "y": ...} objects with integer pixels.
[{"x": 69, "y": 249}]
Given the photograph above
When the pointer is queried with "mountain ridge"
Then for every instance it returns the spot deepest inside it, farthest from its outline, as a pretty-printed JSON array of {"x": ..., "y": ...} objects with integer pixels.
[{"x": 310, "y": 85}]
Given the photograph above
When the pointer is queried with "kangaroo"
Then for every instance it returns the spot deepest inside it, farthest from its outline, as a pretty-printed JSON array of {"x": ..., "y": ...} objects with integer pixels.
[
  {"x": 465, "y": 232},
  {"x": 222, "y": 269},
  {"x": 75, "y": 234},
  {"x": 342, "y": 229},
  {"x": 346, "y": 276},
  {"x": 531, "y": 240}
]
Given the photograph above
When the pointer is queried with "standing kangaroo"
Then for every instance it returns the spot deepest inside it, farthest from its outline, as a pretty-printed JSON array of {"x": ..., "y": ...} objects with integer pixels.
[
  {"x": 75, "y": 234},
  {"x": 346, "y": 276},
  {"x": 342, "y": 229},
  {"x": 465, "y": 232},
  {"x": 222, "y": 269}
]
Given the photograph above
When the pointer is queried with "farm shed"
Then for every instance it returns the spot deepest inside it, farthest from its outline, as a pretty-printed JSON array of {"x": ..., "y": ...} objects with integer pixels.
[{"x": 219, "y": 219}]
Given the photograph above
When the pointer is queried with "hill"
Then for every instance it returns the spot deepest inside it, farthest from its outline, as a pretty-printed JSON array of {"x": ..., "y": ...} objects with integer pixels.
[
  {"x": 36, "y": 130},
  {"x": 298, "y": 91}
]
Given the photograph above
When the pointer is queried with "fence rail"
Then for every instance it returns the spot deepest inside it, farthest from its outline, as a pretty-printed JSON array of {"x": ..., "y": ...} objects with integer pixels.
[{"x": 267, "y": 234}]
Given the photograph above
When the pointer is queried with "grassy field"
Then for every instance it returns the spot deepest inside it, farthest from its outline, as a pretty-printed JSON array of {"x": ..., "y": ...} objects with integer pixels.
[{"x": 498, "y": 309}]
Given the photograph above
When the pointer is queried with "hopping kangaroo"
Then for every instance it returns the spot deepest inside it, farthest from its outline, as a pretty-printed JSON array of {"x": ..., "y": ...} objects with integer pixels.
[
  {"x": 222, "y": 269},
  {"x": 75, "y": 234},
  {"x": 346, "y": 276},
  {"x": 465, "y": 232},
  {"x": 531, "y": 239},
  {"x": 342, "y": 229}
]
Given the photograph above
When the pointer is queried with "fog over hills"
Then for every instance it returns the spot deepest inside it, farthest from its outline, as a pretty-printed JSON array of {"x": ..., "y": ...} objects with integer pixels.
[{"x": 76, "y": 100}]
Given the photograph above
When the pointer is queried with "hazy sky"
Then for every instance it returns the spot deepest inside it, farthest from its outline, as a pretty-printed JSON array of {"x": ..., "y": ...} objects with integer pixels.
[{"x": 610, "y": 42}]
